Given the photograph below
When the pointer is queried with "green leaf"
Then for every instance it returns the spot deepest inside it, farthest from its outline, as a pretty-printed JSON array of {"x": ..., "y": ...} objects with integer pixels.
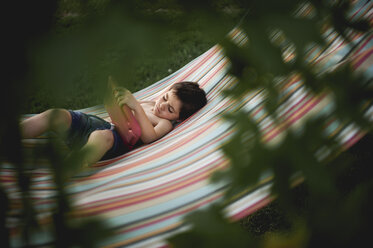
[{"x": 210, "y": 229}]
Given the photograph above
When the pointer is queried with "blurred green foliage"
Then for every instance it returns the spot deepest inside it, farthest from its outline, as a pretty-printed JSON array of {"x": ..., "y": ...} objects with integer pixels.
[
  {"x": 330, "y": 216},
  {"x": 60, "y": 53},
  {"x": 211, "y": 230}
]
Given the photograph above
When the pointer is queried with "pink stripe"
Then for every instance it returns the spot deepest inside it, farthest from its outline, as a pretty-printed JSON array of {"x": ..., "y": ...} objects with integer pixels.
[
  {"x": 358, "y": 12},
  {"x": 252, "y": 208},
  {"x": 355, "y": 138},
  {"x": 324, "y": 56},
  {"x": 362, "y": 60},
  {"x": 258, "y": 110},
  {"x": 139, "y": 163},
  {"x": 217, "y": 70},
  {"x": 173, "y": 182},
  {"x": 363, "y": 45},
  {"x": 180, "y": 144},
  {"x": 296, "y": 106},
  {"x": 177, "y": 213},
  {"x": 119, "y": 206},
  {"x": 216, "y": 50},
  {"x": 294, "y": 120},
  {"x": 192, "y": 154}
]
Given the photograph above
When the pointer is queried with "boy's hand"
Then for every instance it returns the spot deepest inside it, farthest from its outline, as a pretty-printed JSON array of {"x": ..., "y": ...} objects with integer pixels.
[{"x": 124, "y": 96}]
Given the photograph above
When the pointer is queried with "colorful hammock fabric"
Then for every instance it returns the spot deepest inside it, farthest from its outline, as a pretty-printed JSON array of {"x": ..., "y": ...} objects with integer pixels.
[{"x": 143, "y": 195}]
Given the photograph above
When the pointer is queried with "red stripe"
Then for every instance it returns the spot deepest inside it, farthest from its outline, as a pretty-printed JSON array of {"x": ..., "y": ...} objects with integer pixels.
[
  {"x": 284, "y": 127},
  {"x": 363, "y": 45},
  {"x": 364, "y": 57},
  {"x": 355, "y": 138},
  {"x": 357, "y": 12},
  {"x": 252, "y": 208},
  {"x": 152, "y": 157},
  {"x": 296, "y": 106},
  {"x": 119, "y": 206},
  {"x": 147, "y": 191}
]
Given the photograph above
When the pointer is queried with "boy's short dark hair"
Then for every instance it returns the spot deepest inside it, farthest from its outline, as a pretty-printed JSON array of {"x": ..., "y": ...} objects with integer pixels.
[{"x": 193, "y": 98}]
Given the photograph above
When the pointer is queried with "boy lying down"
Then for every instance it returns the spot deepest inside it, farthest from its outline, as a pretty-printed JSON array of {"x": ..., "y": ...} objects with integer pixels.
[{"x": 148, "y": 120}]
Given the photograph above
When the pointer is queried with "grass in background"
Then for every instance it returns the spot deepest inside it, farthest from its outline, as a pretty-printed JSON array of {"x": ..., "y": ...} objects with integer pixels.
[{"x": 183, "y": 46}]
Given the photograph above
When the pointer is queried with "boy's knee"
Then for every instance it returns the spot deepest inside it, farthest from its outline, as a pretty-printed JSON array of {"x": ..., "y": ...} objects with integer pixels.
[
  {"x": 58, "y": 119},
  {"x": 104, "y": 137}
]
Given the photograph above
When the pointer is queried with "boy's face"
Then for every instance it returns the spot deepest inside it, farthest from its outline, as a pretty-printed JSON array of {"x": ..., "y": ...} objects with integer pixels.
[{"x": 168, "y": 106}]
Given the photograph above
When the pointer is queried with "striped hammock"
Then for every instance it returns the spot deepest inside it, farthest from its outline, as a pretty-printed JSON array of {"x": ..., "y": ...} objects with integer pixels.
[{"x": 143, "y": 195}]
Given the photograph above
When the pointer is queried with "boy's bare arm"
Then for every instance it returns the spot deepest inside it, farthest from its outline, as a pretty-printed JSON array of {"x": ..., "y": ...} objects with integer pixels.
[{"x": 148, "y": 132}]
